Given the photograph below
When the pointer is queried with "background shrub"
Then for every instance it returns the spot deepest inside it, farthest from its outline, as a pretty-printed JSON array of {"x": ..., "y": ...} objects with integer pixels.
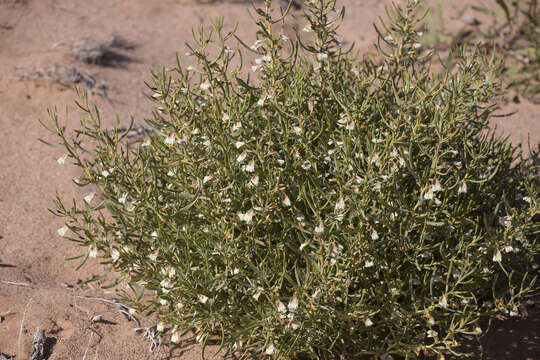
[{"x": 334, "y": 206}]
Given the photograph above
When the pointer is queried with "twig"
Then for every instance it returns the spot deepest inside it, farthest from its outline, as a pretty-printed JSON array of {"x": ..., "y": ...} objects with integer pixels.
[
  {"x": 15, "y": 283},
  {"x": 22, "y": 324}
]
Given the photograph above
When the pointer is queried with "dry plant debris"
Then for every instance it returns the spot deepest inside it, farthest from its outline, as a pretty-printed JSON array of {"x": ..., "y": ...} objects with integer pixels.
[
  {"x": 101, "y": 51},
  {"x": 38, "y": 345}
]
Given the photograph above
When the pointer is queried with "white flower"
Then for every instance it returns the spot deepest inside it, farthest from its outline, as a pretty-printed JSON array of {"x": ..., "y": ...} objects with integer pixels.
[
  {"x": 153, "y": 256},
  {"x": 154, "y": 234},
  {"x": 256, "y": 45},
  {"x": 443, "y": 302},
  {"x": 175, "y": 337},
  {"x": 430, "y": 319},
  {"x": 115, "y": 254},
  {"x": 306, "y": 165},
  {"x": 205, "y": 85},
  {"x": 286, "y": 201},
  {"x": 497, "y": 257},
  {"x": 122, "y": 199},
  {"x": 156, "y": 95},
  {"x": 258, "y": 293},
  {"x": 297, "y": 130},
  {"x": 236, "y": 126},
  {"x": 462, "y": 188},
  {"x": 170, "y": 140},
  {"x": 303, "y": 245},
  {"x": 132, "y": 311},
  {"x": 267, "y": 58},
  {"x": 246, "y": 217},
  {"x": 269, "y": 350},
  {"x": 340, "y": 204},
  {"x": 280, "y": 307},
  {"x": 207, "y": 178},
  {"x": 160, "y": 326},
  {"x": 260, "y": 102},
  {"x": 437, "y": 186},
  {"x": 146, "y": 143},
  {"x": 241, "y": 157},
  {"x": 505, "y": 221},
  {"x": 350, "y": 125},
  {"x": 203, "y": 299},
  {"x": 239, "y": 144},
  {"x": 527, "y": 199},
  {"x": 307, "y": 28},
  {"x": 165, "y": 285},
  {"x": 62, "y": 159},
  {"x": 254, "y": 181},
  {"x": 322, "y": 56},
  {"x": 250, "y": 167},
  {"x": 428, "y": 195},
  {"x": 514, "y": 311},
  {"x": 432, "y": 333},
  {"x": 293, "y": 304},
  {"x": 225, "y": 117},
  {"x": 280, "y": 161},
  {"x": 88, "y": 198},
  {"x": 62, "y": 231},
  {"x": 368, "y": 322},
  {"x": 319, "y": 229},
  {"x": 368, "y": 263},
  {"x": 105, "y": 173},
  {"x": 478, "y": 330},
  {"x": 374, "y": 234},
  {"x": 92, "y": 251},
  {"x": 417, "y": 45}
]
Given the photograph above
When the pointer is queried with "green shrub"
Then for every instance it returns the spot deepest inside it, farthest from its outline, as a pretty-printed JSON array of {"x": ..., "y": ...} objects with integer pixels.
[{"x": 336, "y": 206}]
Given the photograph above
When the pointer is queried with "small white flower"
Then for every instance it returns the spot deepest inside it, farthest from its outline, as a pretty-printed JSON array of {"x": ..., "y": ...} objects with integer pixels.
[
  {"x": 250, "y": 167},
  {"x": 428, "y": 195},
  {"x": 443, "y": 302},
  {"x": 207, "y": 178},
  {"x": 269, "y": 350},
  {"x": 368, "y": 322},
  {"x": 122, "y": 199},
  {"x": 170, "y": 140},
  {"x": 478, "y": 330},
  {"x": 115, "y": 254},
  {"x": 437, "y": 186},
  {"x": 254, "y": 181},
  {"x": 388, "y": 38},
  {"x": 527, "y": 199},
  {"x": 281, "y": 307},
  {"x": 105, "y": 173},
  {"x": 154, "y": 234},
  {"x": 432, "y": 333},
  {"x": 62, "y": 159},
  {"x": 62, "y": 231},
  {"x": 319, "y": 229},
  {"x": 246, "y": 217},
  {"x": 374, "y": 234},
  {"x": 154, "y": 255},
  {"x": 322, "y": 56},
  {"x": 205, "y": 85},
  {"x": 340, "y": 204},
  {"x": 306, "y": 165},
  {"x": 350, "y": 125},
  {"x": 297, "y": 130},
  {"x": 307, "y": 28},
  {"x": 165, "y": 284},
  {"x": 236, "y": 126},
  {"x": 260, "y": 102},
  {"x": 241, "y": 157},
  {"x": 160, "y": 326},
  {"x": 225, "y": 117},
  {"x": 92, "y": 251},
  {"x": 175, "y": 337},
  {"x": 146, "y": 143},
  {"x": 303, "y": 245},
  {"x": 239, "y": 144},
  {"x": 267, "y": 58},
  {"x": 190, "y": 68},
  {"x": 368, "y": 263},
  {"x": 508, "y": 248},
  {"x": 88, "y": 198},
  {"x": 293, "y": 304},
  {"x": 497, "y": 257},
  {"x": 132, "y": 311},
  {"x": 258, "y": 293},
  {"x": 514, "y": 311},
  {"x": 462, "y": 188},
  {"x": 286, "y": 201},
  {"x": 203, "y": 299},
  {"x": 417, "y": 45}
]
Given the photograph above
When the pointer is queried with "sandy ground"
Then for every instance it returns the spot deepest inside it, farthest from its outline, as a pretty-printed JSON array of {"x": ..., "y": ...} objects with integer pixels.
[{"x": 38, "y": 289}]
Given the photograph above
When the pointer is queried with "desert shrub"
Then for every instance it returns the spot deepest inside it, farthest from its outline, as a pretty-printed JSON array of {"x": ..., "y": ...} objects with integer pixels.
[{"x": 334, "y": 206}]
